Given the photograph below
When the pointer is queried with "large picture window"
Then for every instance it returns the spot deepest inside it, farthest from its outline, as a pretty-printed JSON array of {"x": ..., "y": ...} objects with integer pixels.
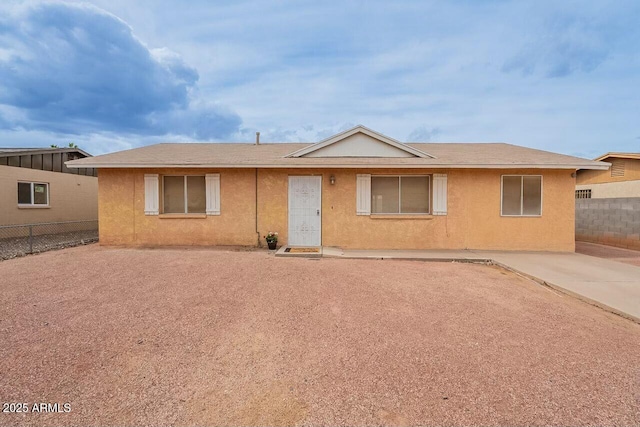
[
  {"x": 184, "y": 194},
  {"x": 400, "y": 194},
  {"x": 33, "y": 194},
  {"x": 521, "y": 195}
]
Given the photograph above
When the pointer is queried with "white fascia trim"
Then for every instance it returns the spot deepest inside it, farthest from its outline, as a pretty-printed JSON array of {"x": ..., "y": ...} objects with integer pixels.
[
  {"x": 373, "y": 134},
  {"x": 334, "y": 166},
  {"x": 632, "y": 156}
]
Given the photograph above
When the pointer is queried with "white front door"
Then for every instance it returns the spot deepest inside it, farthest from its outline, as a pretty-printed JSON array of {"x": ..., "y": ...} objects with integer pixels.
[{"x": 305, "y": 206}]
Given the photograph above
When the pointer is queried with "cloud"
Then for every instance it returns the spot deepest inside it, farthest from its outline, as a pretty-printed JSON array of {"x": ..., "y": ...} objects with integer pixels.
[
  {"x": 563, "y": 47},
  {"x": 423, "y": 134},
  {"x": 303, "y": 133},
  {"x": 4, "y": 123},
  {"x": 76, "y": 69},
  {"x": 475, "y": 69}
]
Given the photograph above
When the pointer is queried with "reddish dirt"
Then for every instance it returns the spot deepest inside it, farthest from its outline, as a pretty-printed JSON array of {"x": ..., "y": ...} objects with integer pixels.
[
  {"x": 211, "y": 337},
  {"x": 628, "y": 256}
]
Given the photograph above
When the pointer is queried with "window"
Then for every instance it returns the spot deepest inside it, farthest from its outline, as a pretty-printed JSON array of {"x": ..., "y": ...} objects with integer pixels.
[
  {"x": 521, "y": 195},
  {"x": 400, "y": 194},
  {"x": 184, "y": 194},
  {"x": 33, "y": 194},
  {"x": 583, "y": 194}
]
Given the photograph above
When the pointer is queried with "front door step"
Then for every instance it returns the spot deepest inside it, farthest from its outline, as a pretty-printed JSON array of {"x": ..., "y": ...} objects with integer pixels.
[{"x": 300, "y": 251}]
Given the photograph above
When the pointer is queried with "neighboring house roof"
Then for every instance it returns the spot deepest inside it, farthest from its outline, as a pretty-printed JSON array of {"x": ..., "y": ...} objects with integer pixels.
[
  {"x": 7, "y": 152},
  {"x": 305, "y": 155},
  {"x": 45, "y": 159},
  {"x": 635, "y": 156}
]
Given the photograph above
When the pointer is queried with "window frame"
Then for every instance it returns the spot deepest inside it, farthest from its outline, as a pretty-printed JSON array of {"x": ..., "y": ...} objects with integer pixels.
[
  {"x": 429, "y": 199},
  {"x": 522, "y": 215},
  {"x": 186, "y": 205},
  {"x": 32, "y": 204}
]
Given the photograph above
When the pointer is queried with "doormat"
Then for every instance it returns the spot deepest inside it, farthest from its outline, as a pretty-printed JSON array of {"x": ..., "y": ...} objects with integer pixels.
[{"x": 302, "y": 250}]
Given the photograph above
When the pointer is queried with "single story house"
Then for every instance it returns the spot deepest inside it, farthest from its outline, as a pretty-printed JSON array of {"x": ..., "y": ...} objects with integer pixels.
[
  {"x": 357, "y": 189},
  {"x": 36, "y": 186},
  {"x": 621, "y": 181}
]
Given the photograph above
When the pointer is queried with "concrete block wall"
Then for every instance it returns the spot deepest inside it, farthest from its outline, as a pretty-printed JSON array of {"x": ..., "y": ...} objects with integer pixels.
[{"x": 614, "y": 222}]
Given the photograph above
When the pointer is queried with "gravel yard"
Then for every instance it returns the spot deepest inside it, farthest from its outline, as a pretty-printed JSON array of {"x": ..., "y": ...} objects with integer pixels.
[{"x": 210, "y": 337}]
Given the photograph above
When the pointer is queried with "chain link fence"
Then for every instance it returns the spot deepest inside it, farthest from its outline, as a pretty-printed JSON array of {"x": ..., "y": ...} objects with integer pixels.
[{"x": 21, "y": 239}]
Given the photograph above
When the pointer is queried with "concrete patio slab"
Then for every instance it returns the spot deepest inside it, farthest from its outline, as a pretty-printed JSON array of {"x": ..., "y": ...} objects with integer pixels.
[{"x": 628, "y": 256}]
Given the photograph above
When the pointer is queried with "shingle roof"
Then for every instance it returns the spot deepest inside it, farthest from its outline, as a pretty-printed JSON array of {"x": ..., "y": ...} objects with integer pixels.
[{"x": 273, "y": 155}]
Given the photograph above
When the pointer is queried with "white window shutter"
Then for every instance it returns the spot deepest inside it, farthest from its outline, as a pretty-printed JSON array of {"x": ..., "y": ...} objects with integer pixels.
[
  {"x": 151, "y": 196},
  {"x": 213, "y": 193},
  {"x": 363, "y": 194},
  {"x": 439, "y": 194}
]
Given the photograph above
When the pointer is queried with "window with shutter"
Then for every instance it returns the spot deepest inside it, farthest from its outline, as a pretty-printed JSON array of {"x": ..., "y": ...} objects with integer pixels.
[{"x": 184, "y": 194}]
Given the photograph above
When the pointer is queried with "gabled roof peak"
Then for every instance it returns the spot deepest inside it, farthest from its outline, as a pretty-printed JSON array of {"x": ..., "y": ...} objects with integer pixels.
[
  {"x": 389, "y": 148},
  {"x": 635, "y": 156}
]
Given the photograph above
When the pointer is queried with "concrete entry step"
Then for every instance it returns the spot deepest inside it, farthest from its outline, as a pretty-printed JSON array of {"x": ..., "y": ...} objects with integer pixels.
[{"x": 300, "y": 252}]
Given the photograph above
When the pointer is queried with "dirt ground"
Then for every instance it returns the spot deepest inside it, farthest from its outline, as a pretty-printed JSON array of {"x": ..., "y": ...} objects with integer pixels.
[
  {"x": 216, "y": 337},
  {"x": 628, "y": 256}
]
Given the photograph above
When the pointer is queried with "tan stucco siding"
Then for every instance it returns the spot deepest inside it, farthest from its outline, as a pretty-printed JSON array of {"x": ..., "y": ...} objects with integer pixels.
[
  {"x": 123, "y": 222},
  {"x": 631, "y": 173},
  {"x": 485, "y": 229},
  {"x": 473, "y": 219},
  {"x": 71, "y": 197}
]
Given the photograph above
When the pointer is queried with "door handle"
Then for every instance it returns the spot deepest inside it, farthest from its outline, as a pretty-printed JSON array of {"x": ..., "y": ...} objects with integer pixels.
[{"x": 318, "y": 211}]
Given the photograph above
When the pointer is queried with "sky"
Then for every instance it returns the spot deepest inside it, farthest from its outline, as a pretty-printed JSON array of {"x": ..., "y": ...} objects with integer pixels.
[{"x": 110, "y": 75}]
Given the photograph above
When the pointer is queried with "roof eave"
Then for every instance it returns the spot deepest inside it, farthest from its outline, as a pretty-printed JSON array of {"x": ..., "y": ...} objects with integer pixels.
[
  {"x": 635, "y": 156},
  {"x": 72, "y": 164}
]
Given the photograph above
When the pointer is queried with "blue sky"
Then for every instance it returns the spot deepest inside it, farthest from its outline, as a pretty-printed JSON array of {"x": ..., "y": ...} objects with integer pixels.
[{"x": 110, "y": 75}]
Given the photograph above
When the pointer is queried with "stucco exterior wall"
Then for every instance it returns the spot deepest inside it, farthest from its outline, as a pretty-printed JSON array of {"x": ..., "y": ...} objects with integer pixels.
[
  {"x": 473, "y": 219},
  {"x": 631, "y": 173},
  {"x": 71, "y": 197},
  {"x": 123, "y": 222}
]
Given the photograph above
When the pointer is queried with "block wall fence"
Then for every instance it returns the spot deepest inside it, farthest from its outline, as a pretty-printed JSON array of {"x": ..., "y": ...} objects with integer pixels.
[{"x": 614, "y": 222}]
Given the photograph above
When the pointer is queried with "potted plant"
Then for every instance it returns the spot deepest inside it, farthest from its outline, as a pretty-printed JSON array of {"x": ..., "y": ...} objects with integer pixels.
[{"x": 272, "y": 239}]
